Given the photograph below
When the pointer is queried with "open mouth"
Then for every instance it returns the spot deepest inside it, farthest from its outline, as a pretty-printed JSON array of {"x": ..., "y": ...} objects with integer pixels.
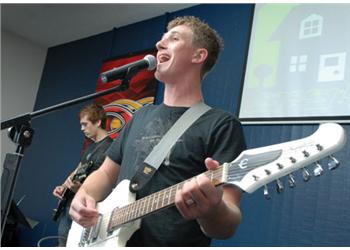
[{"x": 163, "y": 58}]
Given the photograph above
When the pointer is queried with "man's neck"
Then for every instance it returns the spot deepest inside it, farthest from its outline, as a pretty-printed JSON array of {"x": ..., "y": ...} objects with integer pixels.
[
  {"x": 101, "y": 134},
  {"x": 182, "y": 94}
]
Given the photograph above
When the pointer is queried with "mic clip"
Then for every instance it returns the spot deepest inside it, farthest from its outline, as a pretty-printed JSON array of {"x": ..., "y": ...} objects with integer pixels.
[{"x": 125, "y": 81}]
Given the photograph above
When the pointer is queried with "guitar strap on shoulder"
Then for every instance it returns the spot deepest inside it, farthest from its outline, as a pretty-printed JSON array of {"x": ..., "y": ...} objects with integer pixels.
[
  {"x": 92, "y": 157},
  {"x": 160, "y": 151}
]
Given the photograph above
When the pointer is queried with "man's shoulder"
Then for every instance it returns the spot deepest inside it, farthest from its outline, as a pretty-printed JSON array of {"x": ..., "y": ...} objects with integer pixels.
[
  {"x": 145, "y": 110},
  {"x": 222, "y": 115}
]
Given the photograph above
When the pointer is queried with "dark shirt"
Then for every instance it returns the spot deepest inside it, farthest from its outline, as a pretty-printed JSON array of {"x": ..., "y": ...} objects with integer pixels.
[
  {"x": 96, "y": 153},
  {"x": 217, "y": 134}
]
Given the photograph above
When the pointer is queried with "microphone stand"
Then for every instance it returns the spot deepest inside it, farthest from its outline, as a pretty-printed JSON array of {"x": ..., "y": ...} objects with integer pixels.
[{"x": 21, "y": 133}]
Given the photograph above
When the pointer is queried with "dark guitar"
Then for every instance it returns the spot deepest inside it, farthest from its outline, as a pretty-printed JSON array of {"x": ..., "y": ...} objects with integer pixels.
[{"x": 68, "y": 194}]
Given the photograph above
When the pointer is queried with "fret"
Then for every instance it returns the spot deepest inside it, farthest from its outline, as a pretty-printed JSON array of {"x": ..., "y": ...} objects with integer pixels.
[
  {"x": 127, "y": 211},
  {"x": 163, "y": 197},
  {"x": 132, "y": 210},
  {"x": 157, "y": 194},
  {"x": 166, "y": 196},
  {"x": 178, "y": 186},
  {"x": 170, "y": 194},
  {"x": 139, "y": 207},
  {"x": 136, "y": 209},
  {"x": 152, "y": 201},
  {"x": 147, "y": 204},
  {"x": 111, "y": 222},
  {"x": 122, "y": 215},
  {"x": 117, "y": 217},
  {"x": 155, "y": 201},
  {"x": 143, "y": 201}
]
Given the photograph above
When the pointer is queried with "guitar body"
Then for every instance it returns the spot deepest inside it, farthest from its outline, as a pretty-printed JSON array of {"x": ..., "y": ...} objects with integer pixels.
[{"x": 120, "y": 196}]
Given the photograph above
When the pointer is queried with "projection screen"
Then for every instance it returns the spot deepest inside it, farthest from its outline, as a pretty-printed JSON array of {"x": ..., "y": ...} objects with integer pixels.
[{"x": 298, "y": 64}]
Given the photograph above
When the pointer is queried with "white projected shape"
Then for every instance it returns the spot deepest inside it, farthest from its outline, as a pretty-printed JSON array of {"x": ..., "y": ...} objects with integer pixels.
[
  {"x": 311, "y": 26},
  {"x": 332, "y": 67}
]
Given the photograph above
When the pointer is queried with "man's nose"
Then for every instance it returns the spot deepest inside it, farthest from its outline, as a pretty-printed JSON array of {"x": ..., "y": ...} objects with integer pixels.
[{"x": 160, "y": 44}]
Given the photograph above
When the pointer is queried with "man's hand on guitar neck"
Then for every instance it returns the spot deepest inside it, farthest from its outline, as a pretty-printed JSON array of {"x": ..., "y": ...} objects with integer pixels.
[
  {"x": 199, "y": 197},
  {"x": 58, "y": 192},
  {"x": 72, "y": 185},
  {"x": 216, "y": 209}
]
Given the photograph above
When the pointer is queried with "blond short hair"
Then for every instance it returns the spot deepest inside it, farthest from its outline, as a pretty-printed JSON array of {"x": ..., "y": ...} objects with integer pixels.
[{"x": 203, "y": 37}]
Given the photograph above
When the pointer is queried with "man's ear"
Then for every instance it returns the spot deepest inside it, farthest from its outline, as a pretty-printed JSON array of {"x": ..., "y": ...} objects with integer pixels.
[
  {"x": 98, "y": 123},
  {"x": 200, "y": 55}
]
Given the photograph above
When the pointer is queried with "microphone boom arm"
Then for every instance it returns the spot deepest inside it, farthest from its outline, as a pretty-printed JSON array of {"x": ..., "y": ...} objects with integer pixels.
[{"x": 21, "y": 133}]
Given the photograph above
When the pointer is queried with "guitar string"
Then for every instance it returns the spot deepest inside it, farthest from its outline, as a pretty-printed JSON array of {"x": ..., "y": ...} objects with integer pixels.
[
  {"x": 123, "y": 213},
  {"x": 232, "y": 171}
]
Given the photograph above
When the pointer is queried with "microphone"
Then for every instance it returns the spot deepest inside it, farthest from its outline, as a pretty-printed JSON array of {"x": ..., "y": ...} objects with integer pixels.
[{"x": 149, "y": 62}]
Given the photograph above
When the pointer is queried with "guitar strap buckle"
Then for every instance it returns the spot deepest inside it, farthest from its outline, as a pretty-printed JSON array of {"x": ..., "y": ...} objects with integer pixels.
[{"x": 142, "y": 176}]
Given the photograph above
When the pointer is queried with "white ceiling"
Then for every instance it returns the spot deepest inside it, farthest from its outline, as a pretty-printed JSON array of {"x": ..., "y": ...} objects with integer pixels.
[{"x": 53, "y": 24}]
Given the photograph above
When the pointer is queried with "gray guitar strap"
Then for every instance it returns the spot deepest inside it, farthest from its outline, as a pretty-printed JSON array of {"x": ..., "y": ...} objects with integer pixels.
[{"x": 160, "y": 151}]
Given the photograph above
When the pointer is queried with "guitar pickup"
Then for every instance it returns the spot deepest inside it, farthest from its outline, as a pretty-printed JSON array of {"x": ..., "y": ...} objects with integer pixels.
[{"x": 96, "y": 229}]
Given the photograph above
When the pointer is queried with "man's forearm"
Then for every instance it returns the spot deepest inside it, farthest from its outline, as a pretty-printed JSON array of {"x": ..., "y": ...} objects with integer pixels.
[
  {"x": 98, "y": 185},
  {"x": 222, "y": 223}
]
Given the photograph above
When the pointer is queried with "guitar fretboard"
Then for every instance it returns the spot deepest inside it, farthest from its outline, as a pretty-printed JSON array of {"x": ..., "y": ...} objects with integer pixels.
[{"x": 155, "y": 202}]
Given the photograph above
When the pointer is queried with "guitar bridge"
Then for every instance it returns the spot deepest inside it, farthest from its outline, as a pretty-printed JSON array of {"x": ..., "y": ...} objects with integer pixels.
[
  {"x": 84, "y": 237},
  {"x": 90, "y": 234}
]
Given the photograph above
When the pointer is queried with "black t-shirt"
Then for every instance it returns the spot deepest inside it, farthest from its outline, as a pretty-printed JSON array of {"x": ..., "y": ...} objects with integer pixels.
[
  {"x": 217, "y": 134},
  {"x": 96, "y": 154}
]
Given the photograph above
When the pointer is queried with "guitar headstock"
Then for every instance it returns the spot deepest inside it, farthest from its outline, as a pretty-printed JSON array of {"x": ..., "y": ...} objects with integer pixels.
[{"x": 254, "y": 168}]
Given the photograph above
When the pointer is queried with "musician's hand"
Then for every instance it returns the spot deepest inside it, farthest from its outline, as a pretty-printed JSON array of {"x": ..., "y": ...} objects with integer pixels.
[
  {"x": 83, "y": 209},
  {"x": 72, "y": 185},
  {"x": 199, "y": 197},
  {"x": 57, "y": 192}
]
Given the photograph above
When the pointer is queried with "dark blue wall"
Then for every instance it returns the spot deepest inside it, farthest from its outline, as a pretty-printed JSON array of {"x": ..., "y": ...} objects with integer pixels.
[{"x": 312, "y": 214}]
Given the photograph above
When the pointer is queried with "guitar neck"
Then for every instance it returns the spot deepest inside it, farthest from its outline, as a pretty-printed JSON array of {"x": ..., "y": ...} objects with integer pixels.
[{"x": 156, "y": 201}]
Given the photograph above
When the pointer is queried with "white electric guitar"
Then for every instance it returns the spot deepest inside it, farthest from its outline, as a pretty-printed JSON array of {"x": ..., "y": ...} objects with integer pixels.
[{"x": 120, "y": 214}]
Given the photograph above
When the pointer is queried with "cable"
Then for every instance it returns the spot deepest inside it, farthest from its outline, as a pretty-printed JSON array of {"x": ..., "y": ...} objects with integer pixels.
[{"x": 49, "y": 238}]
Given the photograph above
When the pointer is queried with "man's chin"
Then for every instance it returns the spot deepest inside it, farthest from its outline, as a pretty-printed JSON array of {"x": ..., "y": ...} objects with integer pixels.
[{"x": 160, "y": 76}]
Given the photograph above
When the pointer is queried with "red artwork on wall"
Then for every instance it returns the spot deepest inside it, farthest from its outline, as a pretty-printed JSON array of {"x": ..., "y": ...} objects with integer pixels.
[{"x": 120, "y": 106}]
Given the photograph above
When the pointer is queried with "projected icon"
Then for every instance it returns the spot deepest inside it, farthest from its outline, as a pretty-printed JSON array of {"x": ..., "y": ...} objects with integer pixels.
[{"x": 332, "y": 67}]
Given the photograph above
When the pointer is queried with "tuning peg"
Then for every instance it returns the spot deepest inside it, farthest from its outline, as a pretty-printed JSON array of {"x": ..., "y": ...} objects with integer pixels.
[
  {"x": 306, "y": 154},
  {"x": 318, "y": 170},
  {"x": 333, "y": 164},
  {"x": 319, "y": 147},
  {"x": 266, "y": 193},
  {"x": 292, "y": 159},
  {"x": 291, "y": 181},
  {"x": 306, "y": 174},
  {"x": 279, "y": 186}
]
